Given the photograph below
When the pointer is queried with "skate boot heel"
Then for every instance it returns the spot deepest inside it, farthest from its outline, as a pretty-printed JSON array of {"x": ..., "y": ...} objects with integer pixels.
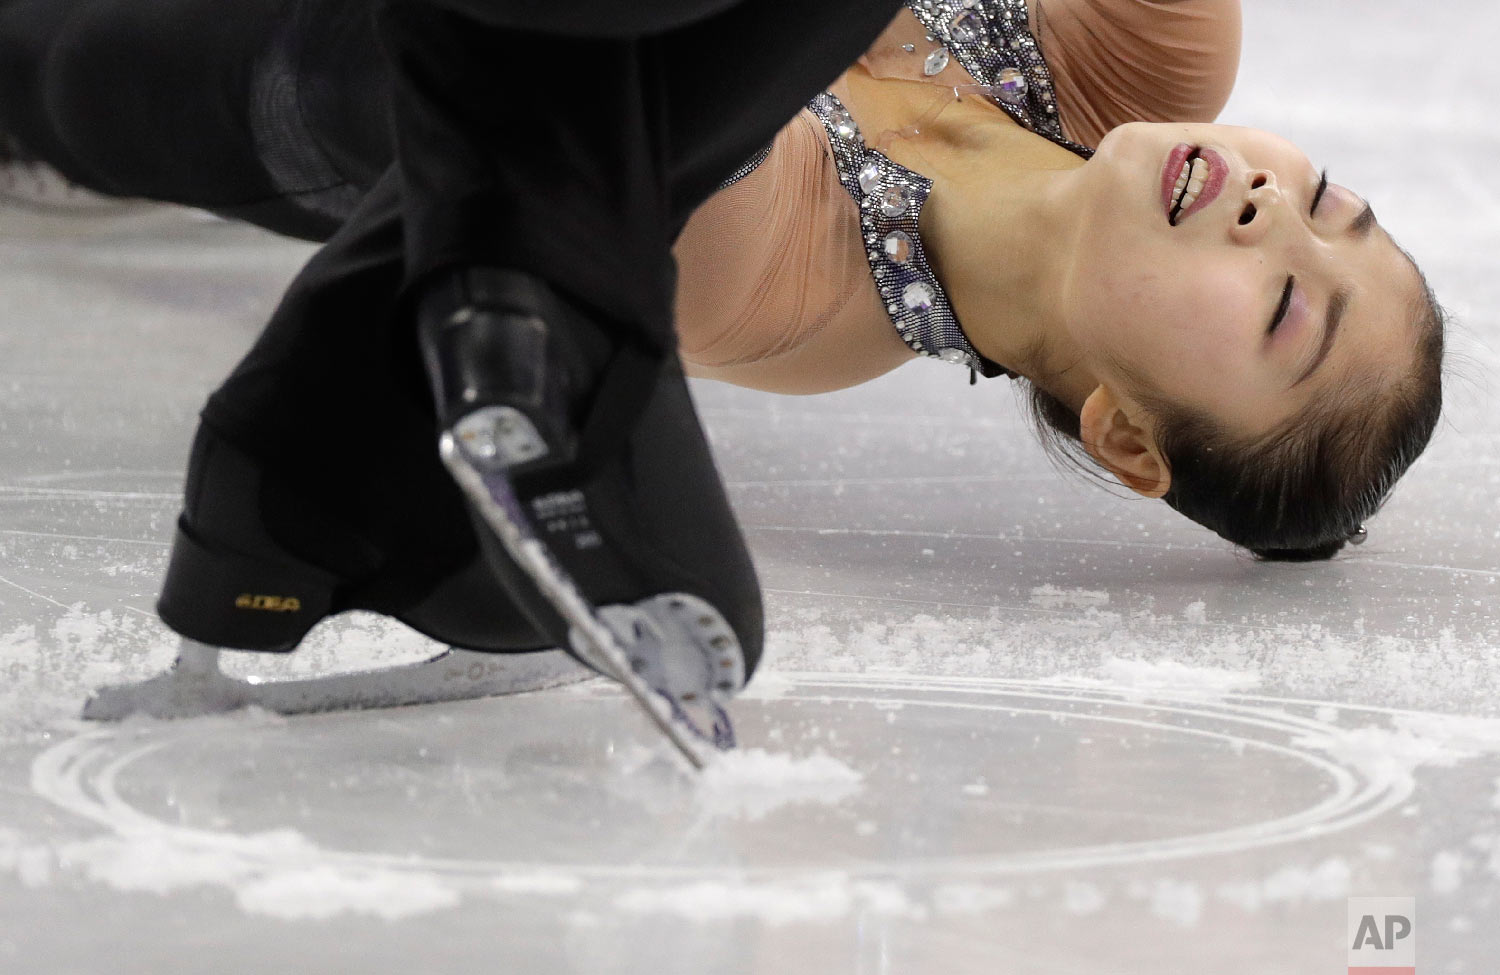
[
  {"x": 228, "y": 583},
  {"x": 228, "y": 599}
]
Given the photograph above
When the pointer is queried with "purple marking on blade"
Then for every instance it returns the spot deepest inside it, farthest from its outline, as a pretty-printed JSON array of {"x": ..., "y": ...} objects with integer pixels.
[
  {"x": 500, "y": 492},
  {"x": 683, "y": 718},
  {"x": 723, "y": 729}
]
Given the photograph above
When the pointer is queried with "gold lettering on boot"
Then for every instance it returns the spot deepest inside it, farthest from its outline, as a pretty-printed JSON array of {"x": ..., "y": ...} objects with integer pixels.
[{"x": 269, "y": 604}]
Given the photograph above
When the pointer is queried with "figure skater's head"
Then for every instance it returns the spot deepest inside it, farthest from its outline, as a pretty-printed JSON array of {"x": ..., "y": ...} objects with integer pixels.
[{"x": 1262, "y": 354}]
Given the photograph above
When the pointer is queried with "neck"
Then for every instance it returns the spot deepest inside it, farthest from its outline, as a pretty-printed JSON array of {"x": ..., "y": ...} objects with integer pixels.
[{"x": 1000, "y": 231}]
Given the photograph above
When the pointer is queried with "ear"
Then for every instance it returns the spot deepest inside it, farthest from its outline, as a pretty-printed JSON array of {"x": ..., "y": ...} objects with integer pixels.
[{"x": 1118, "y": 435}]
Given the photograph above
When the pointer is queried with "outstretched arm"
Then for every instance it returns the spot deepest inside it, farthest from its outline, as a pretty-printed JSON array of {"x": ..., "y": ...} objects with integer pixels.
[{"x": 1120, "y": 61}]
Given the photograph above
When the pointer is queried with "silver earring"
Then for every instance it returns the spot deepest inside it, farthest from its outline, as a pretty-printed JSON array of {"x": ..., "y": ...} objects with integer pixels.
[{"x": 1359, "y": 536}]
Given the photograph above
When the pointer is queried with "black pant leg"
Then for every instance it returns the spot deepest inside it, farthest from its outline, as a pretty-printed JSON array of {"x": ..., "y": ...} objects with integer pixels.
[
  {"x": 523, "y": 149},
  {"x": 333, "y": 388},
  {"x": 334, "y": 385},
  {"x": 578, "y": 158},
  {"x": 333, "y": 403},
  {"x": 201, "y": 102},
  {"x": 734, "y": 80}
]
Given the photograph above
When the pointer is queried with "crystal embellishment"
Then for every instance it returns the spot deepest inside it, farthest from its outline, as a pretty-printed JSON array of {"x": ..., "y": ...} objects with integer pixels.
[
  {"x": 1010, "y": 86},
  {"x": 843, "y": 124},
  {"x": 898, "y": 246},
  {"x": 990, "y": 40},
  {"x": 917, "y": 296},
  {"x": 895, "y": 200},
  {"x": 965, "y": 28}
]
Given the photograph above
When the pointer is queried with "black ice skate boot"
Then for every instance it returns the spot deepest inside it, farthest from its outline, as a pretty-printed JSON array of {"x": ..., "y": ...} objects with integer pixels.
[
  {"x": 256, "y": 565},
  {"x": 602, "y": 512}
]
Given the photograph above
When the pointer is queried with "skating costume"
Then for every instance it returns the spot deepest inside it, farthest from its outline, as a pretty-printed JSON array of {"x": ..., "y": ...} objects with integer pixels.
[
  {"x": 512, "y": 264},
  {"x": 292, "y": 131},
  {"x": 986, "y": 49},
  {"x": 570, "y": 144},
  {"x": 781, "y": 286}
]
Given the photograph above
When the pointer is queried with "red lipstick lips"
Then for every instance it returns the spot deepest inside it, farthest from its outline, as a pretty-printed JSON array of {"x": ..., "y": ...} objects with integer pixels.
[
  {"x": 1213, "y": 183},
  {"x": 1218, "y": 175},
  {"x": 1169, "y": 174}
]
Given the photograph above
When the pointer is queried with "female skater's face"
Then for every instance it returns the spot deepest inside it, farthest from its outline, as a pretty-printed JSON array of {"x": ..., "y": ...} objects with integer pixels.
[{"x": 1255, "y": 302}]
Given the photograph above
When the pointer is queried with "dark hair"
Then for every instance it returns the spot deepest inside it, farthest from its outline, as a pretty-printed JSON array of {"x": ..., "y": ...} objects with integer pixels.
[{"x": 1299, "y": 492}]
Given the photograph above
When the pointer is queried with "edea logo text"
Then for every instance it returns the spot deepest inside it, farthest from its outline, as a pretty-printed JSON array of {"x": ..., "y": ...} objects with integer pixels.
[{"x": 1382, "y": 936}]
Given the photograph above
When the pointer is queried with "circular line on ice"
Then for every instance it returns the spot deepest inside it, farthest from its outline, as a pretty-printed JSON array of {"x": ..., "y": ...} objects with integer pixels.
[{"x": 81, "y": 775}]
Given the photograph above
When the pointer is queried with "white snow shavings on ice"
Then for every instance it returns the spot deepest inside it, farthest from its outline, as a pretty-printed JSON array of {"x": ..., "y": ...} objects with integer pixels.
[
  {"x": 1051, "y": 597},
  {"x": 278, "y": 873},
  {"x": 752, "y": 783},
  {"x": 1177, "y": 901},
  {"x": 1146, "y": 678},
  {"x": 1328, "y": 880},
  {"x": 1393, "y": 754},
  {"x": 819, "y": 899},
  {"x": 1448, "y": 869},
  {"x": 971, "y": 898},
  {"x": 1083, "y": 898}
]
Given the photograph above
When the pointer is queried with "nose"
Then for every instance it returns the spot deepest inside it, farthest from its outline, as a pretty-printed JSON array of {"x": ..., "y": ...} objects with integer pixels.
[{"x": 1262, "y": 201}]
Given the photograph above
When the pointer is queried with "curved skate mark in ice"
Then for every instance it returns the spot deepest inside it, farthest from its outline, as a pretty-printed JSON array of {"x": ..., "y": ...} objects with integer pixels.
[
  {"x": 1053, "y": 597},
  {"x": 1352, "y": 799},
  {"x": 1146, "y": 679},
  {"x": 1346, "y": 776},
  {"x": 800, "y": 900},
  {"x": 32, "y": 592},
  {"x": 114, "y": 474},
  {"x": 279, "y": 872},
  {"x": 24, "y": 493},
  {"x": 65, "y": 537}
]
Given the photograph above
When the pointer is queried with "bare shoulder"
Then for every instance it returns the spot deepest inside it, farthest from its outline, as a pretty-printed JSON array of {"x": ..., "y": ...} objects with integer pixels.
[{"x": 1139, "y": 60}]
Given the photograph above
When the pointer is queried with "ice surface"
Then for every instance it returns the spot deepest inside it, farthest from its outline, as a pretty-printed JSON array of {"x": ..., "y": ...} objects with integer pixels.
[
  {"x": 753, "y": 782},
  {"x": 1007, "y": 722}
]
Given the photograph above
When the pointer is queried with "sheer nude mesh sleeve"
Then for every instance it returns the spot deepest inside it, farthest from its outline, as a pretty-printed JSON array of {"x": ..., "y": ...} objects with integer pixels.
[
  {"x": 1113, "y": 61},
  {"x": 774, "y": 290},
  {"x": 1117, "y": 61},
  {"x": 770, "y": 264}
]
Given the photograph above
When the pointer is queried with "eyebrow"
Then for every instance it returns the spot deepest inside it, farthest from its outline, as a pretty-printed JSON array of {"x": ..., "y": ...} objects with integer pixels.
[{"x": 1360, "y": 227}]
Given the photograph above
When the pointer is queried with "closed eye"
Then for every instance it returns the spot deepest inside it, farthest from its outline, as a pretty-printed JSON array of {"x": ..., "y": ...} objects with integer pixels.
[
  {"x": 1318, "y": 195},
  {"x": 1281, "y": 309}
]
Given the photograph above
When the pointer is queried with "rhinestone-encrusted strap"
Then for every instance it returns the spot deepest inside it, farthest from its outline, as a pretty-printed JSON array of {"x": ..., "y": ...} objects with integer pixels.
[
  {"x": 992, "y": 39},
  {"x": 890, "y": 198}
]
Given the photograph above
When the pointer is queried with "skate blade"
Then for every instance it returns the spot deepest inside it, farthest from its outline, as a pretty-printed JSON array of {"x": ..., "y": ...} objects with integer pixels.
[
  {"x": 590, "y": 634},
  {"x": 696, "y": 683},
  {"x": 455, "y": 675}
]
